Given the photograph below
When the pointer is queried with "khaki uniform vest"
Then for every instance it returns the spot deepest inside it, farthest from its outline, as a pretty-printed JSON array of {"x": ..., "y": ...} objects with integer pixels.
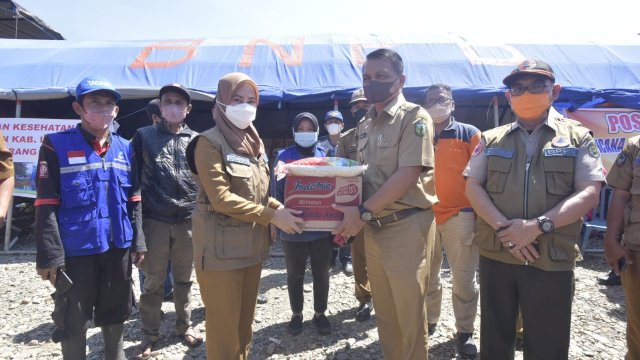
[
  {"x": 526, "y": 194},
  {"x": 625, "y": 175},
  {"x": 348, "y": 145},
  {"x": 221, "y": 242}
]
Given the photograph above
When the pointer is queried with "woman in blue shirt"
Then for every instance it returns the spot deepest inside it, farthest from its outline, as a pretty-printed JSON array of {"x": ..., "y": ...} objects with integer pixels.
[{"x": 314, "y": 244}]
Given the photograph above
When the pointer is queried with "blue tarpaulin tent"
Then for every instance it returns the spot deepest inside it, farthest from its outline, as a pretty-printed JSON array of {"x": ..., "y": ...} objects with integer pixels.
[{"x": 316, "y": 68}]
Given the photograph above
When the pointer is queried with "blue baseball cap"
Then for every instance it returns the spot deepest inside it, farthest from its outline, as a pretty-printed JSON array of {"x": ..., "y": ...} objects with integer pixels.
[
  {"x": 333, "y": 114},
  {"x": 95, "y": 83}
]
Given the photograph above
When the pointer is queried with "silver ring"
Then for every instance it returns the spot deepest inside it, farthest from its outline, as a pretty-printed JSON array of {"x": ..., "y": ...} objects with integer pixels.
[
  {"x": 526, "y": 262},
  {"x": 510, "y": 244}
]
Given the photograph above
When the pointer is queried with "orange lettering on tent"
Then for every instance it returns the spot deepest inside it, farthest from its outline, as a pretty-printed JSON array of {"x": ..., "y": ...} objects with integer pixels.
[
  {"x": 290, "y": 59},
  {"x": 358, "y": 50},
  {"x": 188, "y": 47}
]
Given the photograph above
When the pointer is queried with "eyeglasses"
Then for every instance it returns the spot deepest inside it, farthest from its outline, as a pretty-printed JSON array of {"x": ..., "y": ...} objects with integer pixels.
[
  {"x": 441, "y": 100},
  {"x": 536, "y": 88}
]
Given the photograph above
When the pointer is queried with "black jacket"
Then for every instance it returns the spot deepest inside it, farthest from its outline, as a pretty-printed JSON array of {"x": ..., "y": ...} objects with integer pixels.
[{"x": 168, "y": 189}]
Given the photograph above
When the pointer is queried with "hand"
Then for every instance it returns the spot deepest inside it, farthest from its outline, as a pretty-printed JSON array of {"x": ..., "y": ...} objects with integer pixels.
[
  {"x": 351, "y": 223},
  {"x": 613, "y": 252},
  {"x": 286, "y": 220},
  {"x": 518, "y": 235},
  {"x": 527, "y": 254},
  {"x": 48, "y": 274},
  {"x": 274, "y": 234},
  {"x": 137, "y": 258}
]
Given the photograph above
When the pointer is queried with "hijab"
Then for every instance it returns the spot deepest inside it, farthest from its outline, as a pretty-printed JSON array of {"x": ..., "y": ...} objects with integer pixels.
[
  {"x": 242, "y": 141},
  {"x": 308, "y": 151}
]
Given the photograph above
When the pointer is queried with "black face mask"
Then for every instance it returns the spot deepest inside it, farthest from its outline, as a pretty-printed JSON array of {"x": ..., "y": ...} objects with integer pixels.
[
  {"x": 378, "y": 91},
  {"x": 359, "y": 114}
]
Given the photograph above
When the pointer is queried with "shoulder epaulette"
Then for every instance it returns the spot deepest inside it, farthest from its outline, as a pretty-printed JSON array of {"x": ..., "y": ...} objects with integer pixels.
[{"x": 347, "y": 133}]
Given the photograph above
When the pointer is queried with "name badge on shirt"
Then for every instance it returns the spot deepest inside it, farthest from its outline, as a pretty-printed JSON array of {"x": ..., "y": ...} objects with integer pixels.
[
  {"x": 238, "y": 159},
  {"x": 76, "y": 157},
  {"x": 503, "y": 153},
  {"x": 568, "y": 151}
]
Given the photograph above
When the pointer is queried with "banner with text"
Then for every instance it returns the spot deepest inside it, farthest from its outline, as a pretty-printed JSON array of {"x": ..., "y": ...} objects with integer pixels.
[
  {"x": 611, "y": 128},
  {"x": 24, "y": 137}
]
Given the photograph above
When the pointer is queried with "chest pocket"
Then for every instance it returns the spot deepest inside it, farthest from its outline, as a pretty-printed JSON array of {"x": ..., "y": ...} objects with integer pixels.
[
  {"x": 263, "y": 189},
  {"x": 497, "y": 172},
  {"x": 558, "y": 172},
  {"x": 389, "y": 136},
  {"x": 240, "y": 177},
  {"x": 76, "y": 192}
]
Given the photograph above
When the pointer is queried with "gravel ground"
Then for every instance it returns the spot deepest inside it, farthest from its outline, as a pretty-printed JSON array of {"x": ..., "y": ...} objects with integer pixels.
[{"x": 598, "y": 322}]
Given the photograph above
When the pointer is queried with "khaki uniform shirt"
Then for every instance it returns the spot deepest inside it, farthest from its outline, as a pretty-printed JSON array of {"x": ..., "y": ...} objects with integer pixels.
[
  {"x": 625, "y": 175},
  {"x": 6, "y": 160},
  {"x": 401, "y": 135},
  {"x": 233, "y": 206}
]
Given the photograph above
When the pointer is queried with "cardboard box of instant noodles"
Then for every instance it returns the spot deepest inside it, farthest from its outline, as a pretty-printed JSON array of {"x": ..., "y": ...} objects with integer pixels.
[{"x": 313, "y": 195}]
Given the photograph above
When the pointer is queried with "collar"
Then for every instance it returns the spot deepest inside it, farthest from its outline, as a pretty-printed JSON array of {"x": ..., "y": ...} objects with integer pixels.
[
  {"x": 184, "y": 129},
  {"x": 91, "y": 140},
  {"x": 89, "y": 136},
  {"x": 451, "y": 124},
  {"x": 391, "y": 107},
  {"x": 550, "y": 121}
]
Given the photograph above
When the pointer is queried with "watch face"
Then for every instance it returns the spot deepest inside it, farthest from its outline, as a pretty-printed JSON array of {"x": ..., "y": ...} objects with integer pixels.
[
  {"x": 547, "y": 226},
  {"x": 366, "y": 216}
]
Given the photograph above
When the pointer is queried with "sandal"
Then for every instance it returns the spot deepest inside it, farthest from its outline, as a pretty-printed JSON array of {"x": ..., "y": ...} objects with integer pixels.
[
  {"x": 146, "y": 347},
  {"x": 189, "y": 339}
]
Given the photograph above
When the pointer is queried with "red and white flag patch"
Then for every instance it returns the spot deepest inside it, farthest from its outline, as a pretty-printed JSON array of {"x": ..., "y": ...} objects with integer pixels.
[{"x": 76, "y": 157}]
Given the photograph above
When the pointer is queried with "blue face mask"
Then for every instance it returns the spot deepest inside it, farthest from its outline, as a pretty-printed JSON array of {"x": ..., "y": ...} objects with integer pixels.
[{"x": 305, "y": 139}]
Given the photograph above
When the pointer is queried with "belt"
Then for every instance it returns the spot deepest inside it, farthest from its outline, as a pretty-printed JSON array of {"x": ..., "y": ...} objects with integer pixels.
[{"x": 396, "y": 216}]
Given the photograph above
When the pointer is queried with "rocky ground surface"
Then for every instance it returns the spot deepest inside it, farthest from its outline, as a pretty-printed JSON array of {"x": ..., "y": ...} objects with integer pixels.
[{"x": 598, "y": 323}]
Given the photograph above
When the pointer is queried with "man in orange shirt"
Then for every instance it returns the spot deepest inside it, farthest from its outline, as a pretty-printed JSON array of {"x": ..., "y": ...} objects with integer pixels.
[{"x": 455, "y": 219}]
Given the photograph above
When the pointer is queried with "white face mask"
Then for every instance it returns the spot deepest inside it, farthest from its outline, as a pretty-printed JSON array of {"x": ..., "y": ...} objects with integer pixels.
[
  {"x": 439, "y": 113},
  {"x": 305, "y": 139},
  {"x": 241, "y": 115},
  {"x": 174, "y": 114},
  {"x": 334, "y": 129}
]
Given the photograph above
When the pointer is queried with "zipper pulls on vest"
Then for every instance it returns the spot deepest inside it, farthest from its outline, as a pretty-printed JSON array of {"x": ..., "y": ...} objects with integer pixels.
[
  {"x": 526, "y": 187},
  {"x": 104, "y": 165}
]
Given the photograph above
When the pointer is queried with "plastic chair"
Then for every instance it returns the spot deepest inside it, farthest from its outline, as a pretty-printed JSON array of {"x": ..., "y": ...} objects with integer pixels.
[{"x": 598, "y": 221}]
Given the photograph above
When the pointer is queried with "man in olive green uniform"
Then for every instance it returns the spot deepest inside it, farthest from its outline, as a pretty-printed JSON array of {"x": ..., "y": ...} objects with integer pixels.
[
  {"x": 530, "y": 182},
  {"x": 395, "y": 139},
  {"x": 623, "y": 222}
]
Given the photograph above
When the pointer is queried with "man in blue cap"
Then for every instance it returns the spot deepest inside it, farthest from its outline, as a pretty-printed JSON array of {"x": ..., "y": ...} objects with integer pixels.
[{"x": 88, "y": 229}]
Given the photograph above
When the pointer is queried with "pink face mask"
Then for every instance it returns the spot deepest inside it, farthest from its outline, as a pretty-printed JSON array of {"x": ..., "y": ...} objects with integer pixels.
[
  {"x": 174, "y": 114},
  {"x": 101, "y": 120}
]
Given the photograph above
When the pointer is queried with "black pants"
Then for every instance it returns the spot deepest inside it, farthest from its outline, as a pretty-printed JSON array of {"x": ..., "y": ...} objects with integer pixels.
[
  {"x": 296, "y": 254},
  {"x": 545, "y": 298},
  {"x": 343, "y": 254},
  {"x": 101, "y": 291}
]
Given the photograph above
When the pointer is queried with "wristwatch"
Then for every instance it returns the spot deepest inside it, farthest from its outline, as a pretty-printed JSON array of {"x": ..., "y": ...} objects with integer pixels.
[
  {"x": 545, "y": 224},
  {"x": 365, "y": 214}
]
